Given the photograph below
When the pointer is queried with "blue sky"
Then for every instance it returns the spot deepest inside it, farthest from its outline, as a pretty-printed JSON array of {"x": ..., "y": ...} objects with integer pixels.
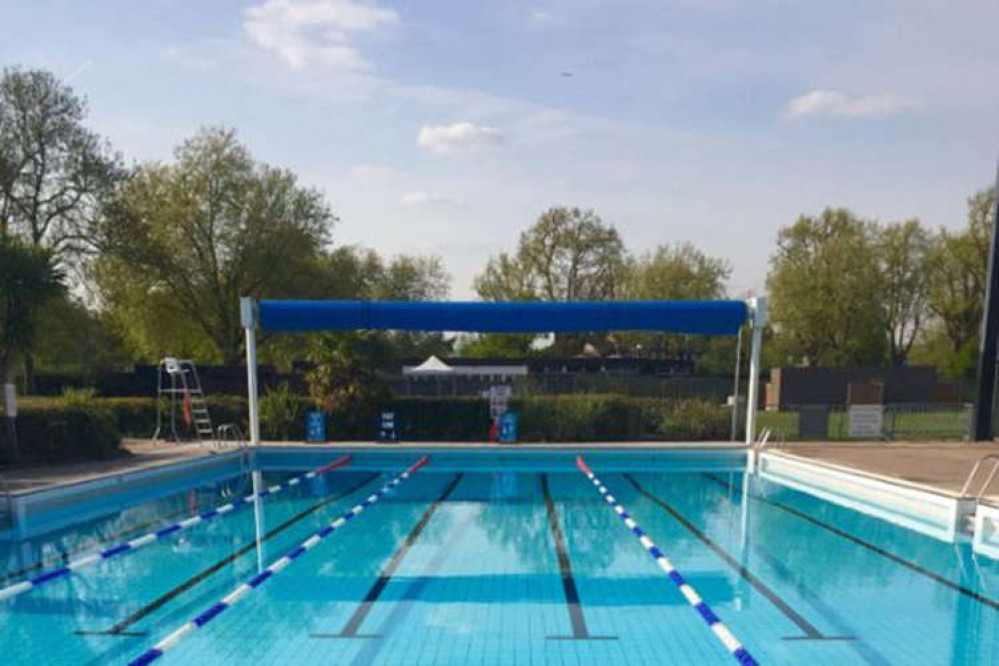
[{"x": 447, "y": 127}]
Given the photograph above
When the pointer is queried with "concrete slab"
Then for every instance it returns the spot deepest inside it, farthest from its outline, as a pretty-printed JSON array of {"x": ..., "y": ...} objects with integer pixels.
[
  {"x": 944, "y": 466},
  {"x": 139, "y": 455}
]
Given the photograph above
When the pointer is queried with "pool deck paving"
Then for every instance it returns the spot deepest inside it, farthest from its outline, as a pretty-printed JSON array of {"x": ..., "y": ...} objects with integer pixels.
[
  {"x": 943, "y": 466},
  {"x": 140, "y": 455}
]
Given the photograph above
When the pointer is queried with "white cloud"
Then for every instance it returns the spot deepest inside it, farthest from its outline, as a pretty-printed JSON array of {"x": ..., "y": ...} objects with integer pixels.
[
  {"x": 304, "y": 32},
  {"x": 833, "y": 103},
  {"x": 458, "y": 138},
  {"x": 371, "y": 173},
  {"x": 541, "y": 17},
  {"x": 427, "y": 200}
]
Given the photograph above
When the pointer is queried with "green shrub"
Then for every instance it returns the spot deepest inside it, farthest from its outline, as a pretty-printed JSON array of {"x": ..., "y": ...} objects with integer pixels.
[
  {"x": 136, "y": 417},
  {"x": 588, "y": 417},
  {"x": 63, "y": 431},
  {"x": 695, "y": 420},
  {"x": 78, "y": 397},
  {"x": 281, "y": 414},
  {"x": 444, "y": 418},
  {"x": 542, "y": 418}
]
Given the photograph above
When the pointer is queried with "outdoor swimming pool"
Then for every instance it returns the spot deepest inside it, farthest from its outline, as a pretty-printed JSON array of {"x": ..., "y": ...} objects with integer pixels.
[{"x": 524, "y": 563}]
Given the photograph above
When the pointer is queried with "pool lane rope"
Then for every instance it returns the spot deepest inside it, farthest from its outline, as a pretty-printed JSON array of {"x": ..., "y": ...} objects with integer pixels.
[
  {"x": 148, "y": 538},
  {"x": 158, "y": 650},
  {"x": 727, "y": 638}
]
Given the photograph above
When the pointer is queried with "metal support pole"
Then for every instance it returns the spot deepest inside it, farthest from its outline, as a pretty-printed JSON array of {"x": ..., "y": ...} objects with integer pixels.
[
  {"x": 985, "y": 395},
  {"x": 247, "y": 317},
  {"x": 258, "y": 517},
  {"x": 758, "y": 307},
  {"x": 735, "y": 388}
]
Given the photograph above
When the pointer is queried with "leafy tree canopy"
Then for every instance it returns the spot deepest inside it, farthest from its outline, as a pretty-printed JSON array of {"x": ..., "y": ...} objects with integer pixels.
[
  {"x": 195, "y": 235},
  {"x": 55, "y": 174},
  {"x": 568, "y": 254},
  {"x": 825, "y": 290},
  {"x": 29, "y": 278}
]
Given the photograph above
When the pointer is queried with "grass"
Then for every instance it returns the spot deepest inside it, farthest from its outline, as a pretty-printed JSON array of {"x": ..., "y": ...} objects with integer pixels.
[{"x": 900, "y": 423}]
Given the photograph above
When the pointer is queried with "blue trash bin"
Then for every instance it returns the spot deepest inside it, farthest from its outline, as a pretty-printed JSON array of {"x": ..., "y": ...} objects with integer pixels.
[{"x": 315, "y": 426}]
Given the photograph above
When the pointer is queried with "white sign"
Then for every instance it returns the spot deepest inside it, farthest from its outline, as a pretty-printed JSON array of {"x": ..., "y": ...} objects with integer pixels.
[
  {"x": 10, "y": 400},
  {"x": 866, "y": 420},
  {"x": 499, "y": 399}
]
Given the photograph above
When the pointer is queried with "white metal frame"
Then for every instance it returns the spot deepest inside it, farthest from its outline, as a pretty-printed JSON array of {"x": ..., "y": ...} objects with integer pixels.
[
  {"x": 757, "y": 318},
  {"x": 248, "y": 318}
]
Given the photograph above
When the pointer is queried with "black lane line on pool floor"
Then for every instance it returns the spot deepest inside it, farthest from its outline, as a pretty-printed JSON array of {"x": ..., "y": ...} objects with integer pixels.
[
  {"x": 576, "y": 618},
  {"x": 411, "y": 595},
  {"x": 121, "y": 628},
  {"x": 809, "y": 630},
  {"x": 354, "y": 623},
  {"x": 981, "y": 598}
]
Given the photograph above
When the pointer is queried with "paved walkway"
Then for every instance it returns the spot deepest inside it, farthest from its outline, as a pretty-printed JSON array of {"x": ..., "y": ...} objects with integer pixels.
[
  {"x": 141, "y": 454},
  {"x": 941, "y": 465},
  {"x": 944, "y": 466}
]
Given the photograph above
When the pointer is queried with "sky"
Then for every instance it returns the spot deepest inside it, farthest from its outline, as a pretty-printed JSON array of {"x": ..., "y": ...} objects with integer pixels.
[{"x": 444, "y": 127}]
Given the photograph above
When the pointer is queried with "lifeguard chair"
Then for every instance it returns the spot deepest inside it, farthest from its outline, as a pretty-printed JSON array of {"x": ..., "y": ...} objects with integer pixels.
[{"x": 178, "y": 384}]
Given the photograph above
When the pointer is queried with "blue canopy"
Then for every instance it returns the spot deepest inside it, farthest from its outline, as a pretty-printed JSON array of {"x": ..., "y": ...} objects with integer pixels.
[{"x": 696, "y": 317}]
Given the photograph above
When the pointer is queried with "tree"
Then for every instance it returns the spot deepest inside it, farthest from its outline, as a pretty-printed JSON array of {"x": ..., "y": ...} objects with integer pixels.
[
  {"x": 29, "y": 277},
  {"x": 196, "y": 235},
  {"x": 505, "y": 279},
  {"x": 825, "y": 289},
  {"x": 412, "y": 278},
  {"x": 678, "y": 272},
  {"x": 344, "y": 377},
  {"x": 55, "y": 174},
  {"x": 354, "y": 272},
  {"x": 73, "y": 338},
  {"x": 567, "y": 255},
  {"x": 959, "y": 267},
  {"x": 497, "y": 345},
  {"x": 904, "y": 249}
]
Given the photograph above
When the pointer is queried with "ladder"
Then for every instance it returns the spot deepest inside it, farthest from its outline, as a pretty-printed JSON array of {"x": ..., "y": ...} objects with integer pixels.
[{"x": 186, "y": 386}]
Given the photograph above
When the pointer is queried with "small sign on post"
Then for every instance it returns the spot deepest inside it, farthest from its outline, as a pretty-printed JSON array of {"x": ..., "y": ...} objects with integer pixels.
[
  {"x": 499, "y": 400},
  {"x": 866, "y": 421},
  {"x": 386, "y": 427},
  {"x": 315, "y": 426},
  {"x": 866, "y": 410}
]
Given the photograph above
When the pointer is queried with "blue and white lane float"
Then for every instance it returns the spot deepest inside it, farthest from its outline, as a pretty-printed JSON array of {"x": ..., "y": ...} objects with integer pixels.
[
  {"x": 157, "y": 651},
  {"x": 727, "y": 638},
  {"x": 148, "y": 538}
]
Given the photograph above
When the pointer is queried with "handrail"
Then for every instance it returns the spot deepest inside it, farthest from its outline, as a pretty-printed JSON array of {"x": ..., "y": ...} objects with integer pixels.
[
  {"x": 761, "y": 443},
  {"x": 231, "y": 430},
  {"x": 988, "y": 480}
]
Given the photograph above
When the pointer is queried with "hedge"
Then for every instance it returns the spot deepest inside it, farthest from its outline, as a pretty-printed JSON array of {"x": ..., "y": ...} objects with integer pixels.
[
  {"x": 57, "y": 432},
  {"x": 543, "y": 418}
]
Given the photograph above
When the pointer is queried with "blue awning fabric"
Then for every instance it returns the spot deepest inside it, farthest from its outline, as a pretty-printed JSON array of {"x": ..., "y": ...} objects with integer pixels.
[{"x": 693, "y": 317}]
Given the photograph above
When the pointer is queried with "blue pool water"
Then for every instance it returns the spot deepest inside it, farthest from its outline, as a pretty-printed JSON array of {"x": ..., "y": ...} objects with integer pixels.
[{"x": 521, "y": 564}]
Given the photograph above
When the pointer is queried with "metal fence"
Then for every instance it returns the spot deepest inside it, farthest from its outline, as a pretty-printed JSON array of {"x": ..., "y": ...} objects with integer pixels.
[
  {"x": 899, "y": 422},
  {"x": 714, "y": 389}
]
